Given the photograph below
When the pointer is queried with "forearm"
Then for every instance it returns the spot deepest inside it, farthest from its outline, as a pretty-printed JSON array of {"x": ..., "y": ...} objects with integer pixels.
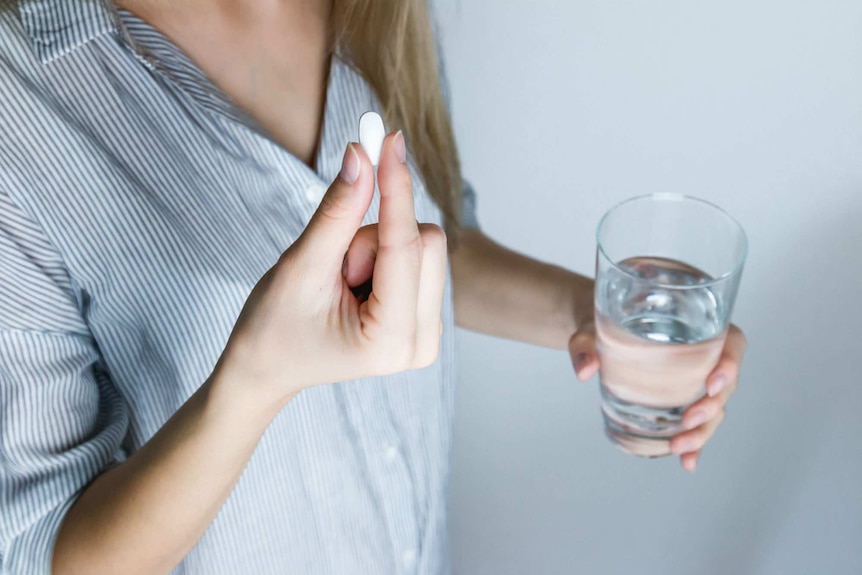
[
  {"x": 144, "y": 515},
  {"x": 503, "y": 293}
]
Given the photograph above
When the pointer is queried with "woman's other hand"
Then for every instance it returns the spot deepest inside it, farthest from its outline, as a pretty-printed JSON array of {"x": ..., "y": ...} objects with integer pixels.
[{"x": 703, "y": 417}]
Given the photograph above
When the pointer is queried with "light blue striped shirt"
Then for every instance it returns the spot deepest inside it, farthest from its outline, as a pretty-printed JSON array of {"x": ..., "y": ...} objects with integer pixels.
[{"x": 138, "y": 208}]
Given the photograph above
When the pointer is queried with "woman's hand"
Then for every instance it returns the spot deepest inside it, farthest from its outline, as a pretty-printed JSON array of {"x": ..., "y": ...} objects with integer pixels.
[
  {"x": 703, "y": 417},
  {"x": 301, "y": 325},
  {"x": 308, "y": 321}
]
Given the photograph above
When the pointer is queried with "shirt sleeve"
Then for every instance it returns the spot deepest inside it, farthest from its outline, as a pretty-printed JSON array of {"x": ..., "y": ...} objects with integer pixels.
[
  {"x": 61, "y": 420},
  {"x": 469, "y": 219}
]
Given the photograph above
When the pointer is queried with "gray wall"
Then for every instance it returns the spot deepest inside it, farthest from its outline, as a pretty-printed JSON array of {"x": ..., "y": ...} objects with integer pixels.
[{"x": 756, "y": 106}]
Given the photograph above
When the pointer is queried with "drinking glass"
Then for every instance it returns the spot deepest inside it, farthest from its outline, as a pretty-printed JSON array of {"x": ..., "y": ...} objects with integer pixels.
[{"x": 667, "y": 272}]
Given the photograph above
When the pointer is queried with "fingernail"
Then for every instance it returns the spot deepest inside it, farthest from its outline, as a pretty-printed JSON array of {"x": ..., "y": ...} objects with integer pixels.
[
  {"x": 344, "y": 266},
  {"x": 400, "y": 147},
  {"x": 350, "y": 165},
  {"x": 716, "y": 385},
  {"x": 695, "y": 419},
  {"x": 691, "y": 465}
]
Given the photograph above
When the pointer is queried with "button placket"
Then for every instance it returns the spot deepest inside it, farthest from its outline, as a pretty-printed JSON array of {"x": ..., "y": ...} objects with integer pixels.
[
  {"x": 390, "y": 452},
  {"x": 387, "y": 458},
  {"x": 314, "y": 192},
  {"x": 408, "y": 561}
]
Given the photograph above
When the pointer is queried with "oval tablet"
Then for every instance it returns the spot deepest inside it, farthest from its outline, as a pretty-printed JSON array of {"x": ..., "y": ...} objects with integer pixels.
[{"x": 371, "y": 134}]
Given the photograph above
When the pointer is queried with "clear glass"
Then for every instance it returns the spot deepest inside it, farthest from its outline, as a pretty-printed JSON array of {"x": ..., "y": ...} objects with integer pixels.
[{"x": 667, "y": 272}]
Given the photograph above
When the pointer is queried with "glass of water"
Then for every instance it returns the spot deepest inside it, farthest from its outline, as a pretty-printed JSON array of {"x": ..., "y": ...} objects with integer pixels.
[{"x": 667, "y": 271}]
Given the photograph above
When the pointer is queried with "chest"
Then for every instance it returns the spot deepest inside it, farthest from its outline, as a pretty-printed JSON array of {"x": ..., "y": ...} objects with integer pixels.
[
  {"x": 272, "y": 61},
  {"x": 168, "y": 210}
]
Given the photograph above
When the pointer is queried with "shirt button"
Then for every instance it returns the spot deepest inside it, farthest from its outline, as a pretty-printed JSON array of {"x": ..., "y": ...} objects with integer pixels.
[
  {"x": 314, "y": 192},
  {"x": 390, "y": 452},
  {"x": 408, "y": 559}
]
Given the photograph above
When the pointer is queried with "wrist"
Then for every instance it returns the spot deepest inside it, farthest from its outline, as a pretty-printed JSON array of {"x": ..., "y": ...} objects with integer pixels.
[
  {"x": 244, "y": 394},
  {"x": 576, "y": 303}
]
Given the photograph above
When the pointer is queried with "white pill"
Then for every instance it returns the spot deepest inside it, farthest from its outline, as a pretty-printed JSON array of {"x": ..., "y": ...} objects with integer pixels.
[{"x": 371, "y": 134}]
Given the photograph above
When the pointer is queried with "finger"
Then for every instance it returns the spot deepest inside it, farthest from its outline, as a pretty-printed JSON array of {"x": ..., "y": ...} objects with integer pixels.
[
  {"x": 397, "y": 217},
  {"x": 360, "y": 256},
  {"x": 582, "y": 349},
  {"x": 726, "y": 373},
  {"x": 696, "y": 438},
  {"x": 704, "y": 409},
  {"x": 399, "y": 253},
  {"x": 432, "y": 283},
  {"x": 689, "y": 460},
  {"x": 331, "y": 229}
]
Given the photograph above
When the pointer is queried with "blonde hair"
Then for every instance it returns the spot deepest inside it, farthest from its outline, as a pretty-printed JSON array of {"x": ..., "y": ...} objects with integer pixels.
[{"x": 392, "y": 44}]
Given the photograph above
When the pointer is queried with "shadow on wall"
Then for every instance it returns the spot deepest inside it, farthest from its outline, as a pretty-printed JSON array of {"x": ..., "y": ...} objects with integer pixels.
[{"x": 798, "y": 398}]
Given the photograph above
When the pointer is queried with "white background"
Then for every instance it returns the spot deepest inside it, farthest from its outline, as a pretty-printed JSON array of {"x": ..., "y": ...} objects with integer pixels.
[{"x": 562, "y": 109}]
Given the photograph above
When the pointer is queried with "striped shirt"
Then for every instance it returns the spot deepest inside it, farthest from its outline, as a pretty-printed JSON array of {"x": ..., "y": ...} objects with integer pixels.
[{"x": 138, "y": 208}]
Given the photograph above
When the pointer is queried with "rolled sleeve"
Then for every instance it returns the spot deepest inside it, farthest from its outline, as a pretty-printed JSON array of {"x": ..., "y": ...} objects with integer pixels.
[
  {"x": 469, "y": 218},
  {"x": 61, "y": 420},
  {"x": 30, "y": 552}
]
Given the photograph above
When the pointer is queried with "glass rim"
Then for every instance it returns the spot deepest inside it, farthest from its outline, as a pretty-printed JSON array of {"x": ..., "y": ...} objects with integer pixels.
[{"x": 676, "y": 197}]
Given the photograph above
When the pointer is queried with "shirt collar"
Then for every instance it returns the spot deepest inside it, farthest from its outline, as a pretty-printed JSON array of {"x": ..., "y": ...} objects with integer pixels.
[{"x": 57, "y": 27}]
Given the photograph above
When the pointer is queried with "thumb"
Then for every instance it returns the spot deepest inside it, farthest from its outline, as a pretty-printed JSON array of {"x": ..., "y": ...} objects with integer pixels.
[
  {"x": 582, "y": 348},
  {"x": 331, "y": 229}
]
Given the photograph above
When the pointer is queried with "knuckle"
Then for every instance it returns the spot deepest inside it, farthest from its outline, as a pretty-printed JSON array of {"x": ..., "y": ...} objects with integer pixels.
[
  {"x": 402, "y": 355},
  {"x": 332, "y": 208},
  {"x": 427, "y": 354},
  {"x": 413, "y": 247},
  {"x": 433, "y": 237},
  {"x": 402, "y": 180},
  {"x": 426, "y": 360},
  {"x": 703, "y": 433},
  {"x": 578, "y": 339},
  {"x": 581, "y": 340},
  {"x": 394, "y": 357},
  {"x": 713, "y": 405},
  {"x": 395, "y": 182},
  {"x": 286, "y": 270}
]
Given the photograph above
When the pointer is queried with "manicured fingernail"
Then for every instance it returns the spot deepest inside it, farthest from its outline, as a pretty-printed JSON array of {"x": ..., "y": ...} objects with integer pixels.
[
  {"x": 698, "y": 417},
  {"x": 716, "y": 385},
  {"x": 400, "y": 147},
  {"x": 350, "y": 165}
]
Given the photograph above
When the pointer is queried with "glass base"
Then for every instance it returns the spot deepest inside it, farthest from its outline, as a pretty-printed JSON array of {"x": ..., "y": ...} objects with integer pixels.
[
  {"x": 636, "y": 444},
  {"x": 640, "y": 430}
]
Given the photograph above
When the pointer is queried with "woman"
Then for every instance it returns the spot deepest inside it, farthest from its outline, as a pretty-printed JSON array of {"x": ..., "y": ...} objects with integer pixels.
[{"x": 176, "y": 284}]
